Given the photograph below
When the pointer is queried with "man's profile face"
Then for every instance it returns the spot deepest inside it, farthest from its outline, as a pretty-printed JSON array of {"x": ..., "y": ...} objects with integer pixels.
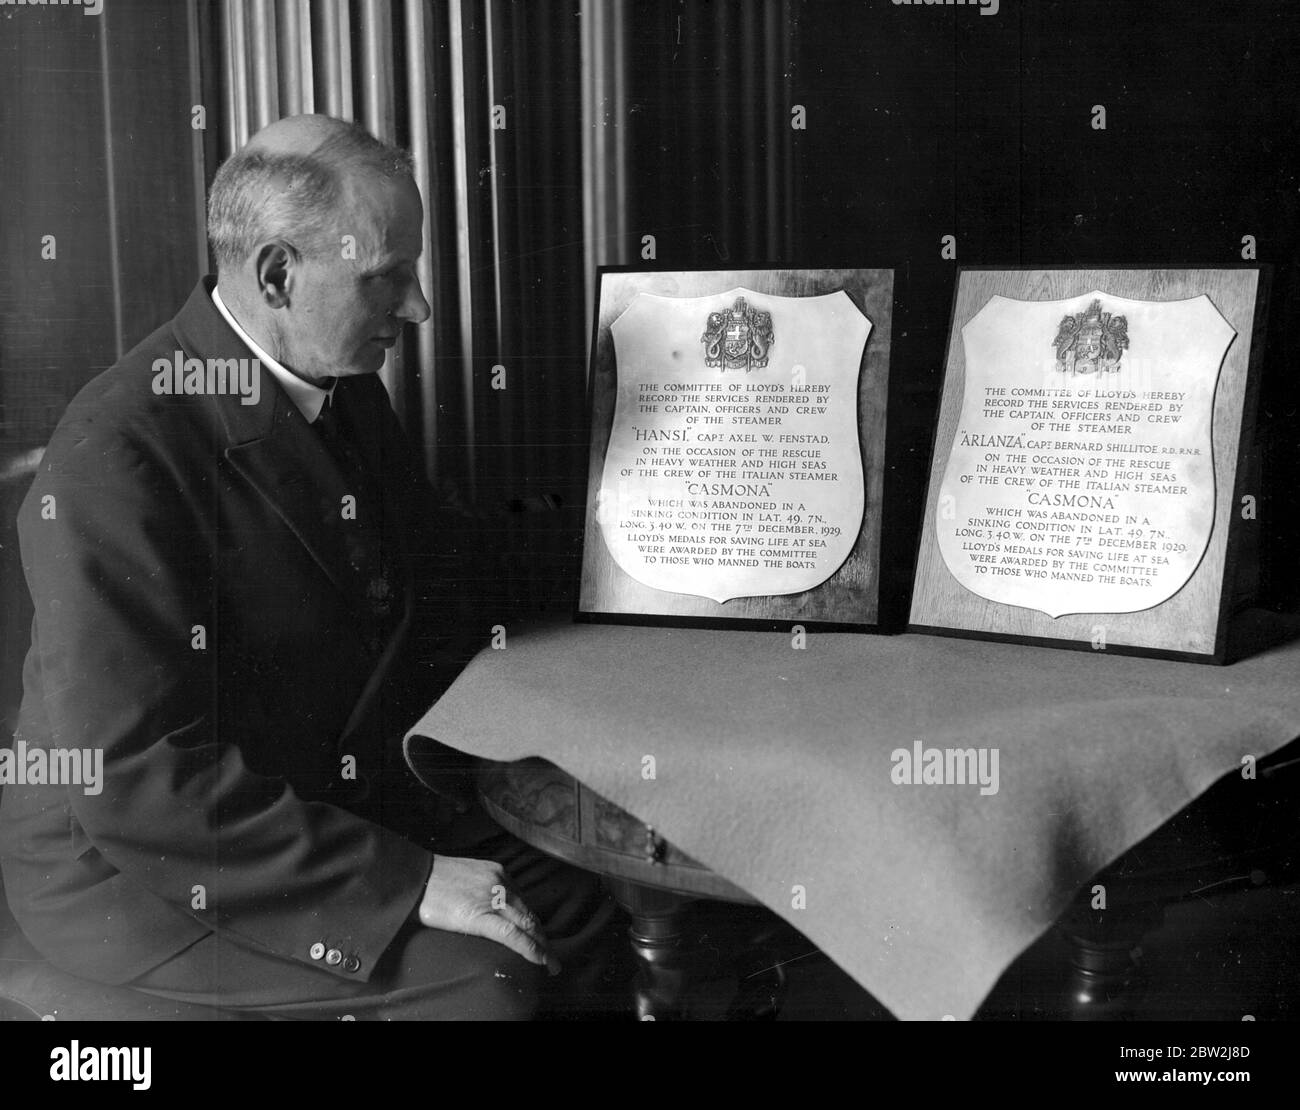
[{"x": 347, "y": 303}]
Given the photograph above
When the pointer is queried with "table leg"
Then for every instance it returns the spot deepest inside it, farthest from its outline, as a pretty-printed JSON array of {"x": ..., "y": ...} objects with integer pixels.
[
  {"x": 658, "y": 944},
  {"x": 1104, "y": 971}
]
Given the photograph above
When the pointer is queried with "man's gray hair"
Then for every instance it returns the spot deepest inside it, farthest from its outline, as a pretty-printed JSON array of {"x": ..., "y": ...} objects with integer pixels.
[{"x": 259, "y": 195}]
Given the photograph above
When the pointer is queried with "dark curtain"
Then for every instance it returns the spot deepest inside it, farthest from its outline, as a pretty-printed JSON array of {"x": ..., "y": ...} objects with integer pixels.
[{"x": 97, "y": 153}]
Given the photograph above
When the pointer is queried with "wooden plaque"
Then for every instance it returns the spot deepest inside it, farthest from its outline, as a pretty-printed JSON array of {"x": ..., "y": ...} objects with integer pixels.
[
  {"x": 1086, "y": 483},
  {"x": 737, "y": 447}
]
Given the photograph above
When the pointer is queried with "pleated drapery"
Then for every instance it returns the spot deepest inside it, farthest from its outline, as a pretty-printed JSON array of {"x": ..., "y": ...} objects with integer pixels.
[
  {"x": 444, "y": 80},
  {"x": 528, "y": 121}
]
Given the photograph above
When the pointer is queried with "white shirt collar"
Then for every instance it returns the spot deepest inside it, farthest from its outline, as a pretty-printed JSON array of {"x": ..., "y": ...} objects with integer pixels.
[{"x": 308, "y": 398}]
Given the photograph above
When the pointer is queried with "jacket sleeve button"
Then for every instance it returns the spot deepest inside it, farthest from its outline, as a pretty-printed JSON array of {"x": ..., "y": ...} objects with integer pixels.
[
  {"x": 334, "y": 957},
  {"x": 317, "y": 951},
  {"x": 352, "y": 964}
]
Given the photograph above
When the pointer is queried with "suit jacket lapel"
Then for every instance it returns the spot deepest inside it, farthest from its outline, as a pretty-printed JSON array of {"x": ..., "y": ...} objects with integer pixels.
[
  {"x": 291, "y": 468},
  {"x": 358, "y": 402},
  {"x": 274, "y": 448}
]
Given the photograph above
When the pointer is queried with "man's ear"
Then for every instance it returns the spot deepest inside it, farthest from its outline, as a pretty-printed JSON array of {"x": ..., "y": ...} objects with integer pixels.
[{"x": 275, "y": 262}]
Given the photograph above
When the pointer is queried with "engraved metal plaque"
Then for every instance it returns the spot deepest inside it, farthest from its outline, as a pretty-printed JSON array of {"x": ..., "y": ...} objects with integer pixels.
[
  {"x": 1081, "y": 474},
  {"x": 737, "y": 450},
  {"x": 1084, "y": 487},
  {"x": 742, "y": 478}
]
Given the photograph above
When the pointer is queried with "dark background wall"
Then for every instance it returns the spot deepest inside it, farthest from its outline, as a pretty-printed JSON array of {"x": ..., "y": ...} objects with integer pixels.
[
  {"x": 921, "y": 121},
  {"x": 929, "y": 121},
  {"x": 96, "y": 151}
]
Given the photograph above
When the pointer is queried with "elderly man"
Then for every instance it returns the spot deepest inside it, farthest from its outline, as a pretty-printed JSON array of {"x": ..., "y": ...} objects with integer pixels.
[{"x": 227, "y": 560}]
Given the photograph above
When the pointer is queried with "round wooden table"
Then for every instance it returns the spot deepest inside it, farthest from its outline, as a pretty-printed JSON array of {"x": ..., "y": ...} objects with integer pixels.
[{"x": 652, "y": 880}]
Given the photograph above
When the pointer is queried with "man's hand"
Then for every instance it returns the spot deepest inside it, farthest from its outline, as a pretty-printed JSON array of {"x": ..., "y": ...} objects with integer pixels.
[{"x": 470, "y": 896}]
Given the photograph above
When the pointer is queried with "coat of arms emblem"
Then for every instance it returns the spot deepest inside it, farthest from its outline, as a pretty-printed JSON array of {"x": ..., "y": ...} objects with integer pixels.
[
  {"x": 738, "y": 338},
  {"x": 1091, "y": 341}
]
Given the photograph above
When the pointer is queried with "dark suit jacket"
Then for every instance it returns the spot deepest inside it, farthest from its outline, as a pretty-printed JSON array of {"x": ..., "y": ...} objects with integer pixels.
[{"x": 225, "y": 803}]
